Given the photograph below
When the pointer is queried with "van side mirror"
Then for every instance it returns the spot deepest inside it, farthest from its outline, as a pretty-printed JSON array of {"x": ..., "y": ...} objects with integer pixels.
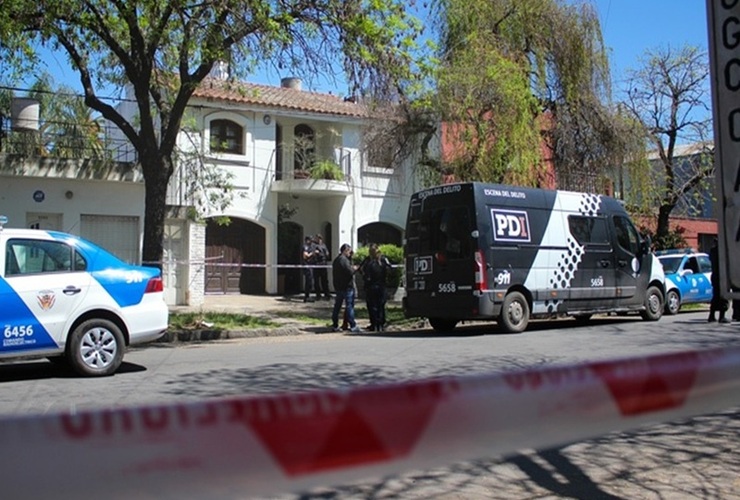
[{"x": 645, "y": 244}]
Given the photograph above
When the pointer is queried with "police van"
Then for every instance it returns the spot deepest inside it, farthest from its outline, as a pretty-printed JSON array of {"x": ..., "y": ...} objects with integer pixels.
[
  {"x": 63, "y": 297},
  {"x": 479, "y": 251}
]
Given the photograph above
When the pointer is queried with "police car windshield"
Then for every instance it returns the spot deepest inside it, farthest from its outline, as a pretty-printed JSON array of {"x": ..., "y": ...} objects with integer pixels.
[{"x": 670, "y": 264}]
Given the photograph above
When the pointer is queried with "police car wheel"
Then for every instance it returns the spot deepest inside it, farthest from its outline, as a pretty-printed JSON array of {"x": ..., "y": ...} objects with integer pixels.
[
  {"x": 653, "y": 304},
  {"x": 442, "y": 324},
  {"x": 672, "y": 302},
  {"x": 514, "y": 313},
  {"x": 96, "y": 348}
]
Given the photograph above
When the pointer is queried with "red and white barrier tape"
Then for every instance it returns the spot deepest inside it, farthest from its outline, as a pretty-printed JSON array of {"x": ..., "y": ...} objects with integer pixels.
[
  {"x": 227, "y": 264},
  {"x": 241, "y": 447}
]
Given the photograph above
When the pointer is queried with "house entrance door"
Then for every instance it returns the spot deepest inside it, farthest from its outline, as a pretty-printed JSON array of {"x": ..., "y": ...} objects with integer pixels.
[{"x": 235, "y": 257}]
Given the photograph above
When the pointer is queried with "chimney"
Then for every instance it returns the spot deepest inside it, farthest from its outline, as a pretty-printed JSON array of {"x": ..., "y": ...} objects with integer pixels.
[{"x": 291, "y": 83}]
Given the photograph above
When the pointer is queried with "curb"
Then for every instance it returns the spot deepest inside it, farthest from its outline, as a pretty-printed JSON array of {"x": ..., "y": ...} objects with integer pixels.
[{"x": 206, "y": 335}]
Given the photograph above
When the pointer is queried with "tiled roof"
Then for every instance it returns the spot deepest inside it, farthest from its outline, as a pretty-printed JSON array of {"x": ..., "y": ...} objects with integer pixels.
[{"x": 277, "y": 97}]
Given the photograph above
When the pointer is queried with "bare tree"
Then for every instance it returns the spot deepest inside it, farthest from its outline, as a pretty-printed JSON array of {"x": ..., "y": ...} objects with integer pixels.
[{"x": 670, "y": 96}]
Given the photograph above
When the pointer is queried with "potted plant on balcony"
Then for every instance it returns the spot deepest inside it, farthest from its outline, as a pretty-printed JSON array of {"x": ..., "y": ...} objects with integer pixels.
[{"x": 326, "y": 169}]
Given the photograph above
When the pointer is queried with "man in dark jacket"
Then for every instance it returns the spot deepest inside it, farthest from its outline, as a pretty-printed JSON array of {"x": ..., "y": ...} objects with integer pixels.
[
  {"x": 308, "y": 257},
  {"x": 343, "y": 279},
  {"x": 374, "y": 271},
  {"x": 320, "y": 278},
  {"x": 718, "y": 304}
]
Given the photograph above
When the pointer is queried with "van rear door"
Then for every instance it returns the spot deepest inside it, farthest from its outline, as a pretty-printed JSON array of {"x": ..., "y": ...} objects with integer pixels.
[{"x": 440, "y": 257}]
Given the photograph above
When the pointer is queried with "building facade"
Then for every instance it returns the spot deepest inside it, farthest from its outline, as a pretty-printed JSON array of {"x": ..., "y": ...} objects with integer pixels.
[{"x": 296, "y": 163}]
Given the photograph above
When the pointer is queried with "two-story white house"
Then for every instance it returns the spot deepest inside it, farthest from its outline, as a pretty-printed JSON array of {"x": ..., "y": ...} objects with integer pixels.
[{"x": 272, "y": 141}]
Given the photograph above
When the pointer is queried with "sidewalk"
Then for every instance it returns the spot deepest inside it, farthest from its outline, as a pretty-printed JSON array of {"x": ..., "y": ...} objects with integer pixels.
[{"x": 272, "y": 307}]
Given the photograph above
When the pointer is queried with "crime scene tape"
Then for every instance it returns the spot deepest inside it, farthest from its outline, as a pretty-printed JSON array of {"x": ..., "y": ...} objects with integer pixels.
[
  {"x": 249, "y": 446},
  {"x": 246, "y": 264}
]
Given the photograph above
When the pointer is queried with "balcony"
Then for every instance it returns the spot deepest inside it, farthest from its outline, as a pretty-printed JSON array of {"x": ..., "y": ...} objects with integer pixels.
[{"x": 323, "y": 178}]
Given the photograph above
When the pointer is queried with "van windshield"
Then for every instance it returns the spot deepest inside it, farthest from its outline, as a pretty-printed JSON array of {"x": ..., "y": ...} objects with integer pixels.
[{"x": 446, "y": 230}]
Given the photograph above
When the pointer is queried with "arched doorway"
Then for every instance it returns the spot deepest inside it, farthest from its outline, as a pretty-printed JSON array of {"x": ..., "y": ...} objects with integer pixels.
[
  {"x": 230, "y": 246},
  {"x": 290, "y": 239}
]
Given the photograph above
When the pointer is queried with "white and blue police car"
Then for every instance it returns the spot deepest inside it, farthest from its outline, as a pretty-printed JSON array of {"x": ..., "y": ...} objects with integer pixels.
[
  {"x": 63, "y": 297},
  {"x": 688, "y": 278}
]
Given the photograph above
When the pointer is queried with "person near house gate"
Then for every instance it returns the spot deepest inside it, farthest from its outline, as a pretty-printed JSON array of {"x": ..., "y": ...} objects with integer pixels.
[
  {"x": 308, "y": 256},
  {"x": 374, "y": 271},
  {"x": 718, "y": 304},
  {"x": 320, "y": 276},
  {"x": 343, "y": 278}
]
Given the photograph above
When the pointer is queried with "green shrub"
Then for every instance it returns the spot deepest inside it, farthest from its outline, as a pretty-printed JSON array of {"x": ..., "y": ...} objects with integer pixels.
[
  {"x": 327, "y": 169},
  {"x": 393, "y": 253}
]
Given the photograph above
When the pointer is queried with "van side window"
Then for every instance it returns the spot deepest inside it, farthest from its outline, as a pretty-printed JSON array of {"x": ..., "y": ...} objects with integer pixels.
[
  {"x": 588, "y": 230},
  {"x": 627, "y": 236},
  {"x": 446, "y": 230}
]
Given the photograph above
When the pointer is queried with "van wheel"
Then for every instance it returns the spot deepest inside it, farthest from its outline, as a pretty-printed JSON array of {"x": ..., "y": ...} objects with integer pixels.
[
  {"x": 443, "y": 324},
  {"x": 95, "y": 348},
  {"x": 515, "y": 313},
  {"x": 653, "y": 304},
  {"x": 672, "y": 302}
]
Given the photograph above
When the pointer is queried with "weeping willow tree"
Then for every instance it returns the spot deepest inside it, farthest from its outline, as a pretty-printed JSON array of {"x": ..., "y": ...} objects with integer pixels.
[{"x": 526, "y": 83}]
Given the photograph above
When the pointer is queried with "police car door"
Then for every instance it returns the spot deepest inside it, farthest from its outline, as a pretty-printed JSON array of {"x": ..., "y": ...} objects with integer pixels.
[
  {"x": 46, "y": 284},
  {"x": 705, "y": 278},
  {"x": 697, "y": 283}
]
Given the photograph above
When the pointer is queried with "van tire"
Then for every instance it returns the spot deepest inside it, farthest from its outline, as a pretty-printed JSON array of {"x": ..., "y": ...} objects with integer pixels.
[
  {"x": 672, "y": 302},
  {"x": 582, "y": 319},
  {"x": 514, "y": 313},
  {"x": 653, "y": 304},
  {"x": 443, "y": 324}
]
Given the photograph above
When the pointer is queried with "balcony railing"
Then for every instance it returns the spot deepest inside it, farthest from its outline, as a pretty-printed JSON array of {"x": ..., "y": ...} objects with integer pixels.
[{"x": 65, "y": 140}]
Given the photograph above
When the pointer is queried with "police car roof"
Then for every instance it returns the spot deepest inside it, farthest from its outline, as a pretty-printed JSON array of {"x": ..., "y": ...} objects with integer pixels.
[
  {"x": 19, "y": 232},
  {"x": 677, "y": 251}
]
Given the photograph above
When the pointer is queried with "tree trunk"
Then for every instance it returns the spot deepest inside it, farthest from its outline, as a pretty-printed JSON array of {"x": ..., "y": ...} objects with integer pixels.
[
  {"x": 663, "y": 227},
  {"x": 157, "y": 172}
]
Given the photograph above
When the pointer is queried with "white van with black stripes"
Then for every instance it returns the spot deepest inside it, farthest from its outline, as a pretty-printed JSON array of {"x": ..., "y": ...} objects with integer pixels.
[{"x": 478, "y": 251}]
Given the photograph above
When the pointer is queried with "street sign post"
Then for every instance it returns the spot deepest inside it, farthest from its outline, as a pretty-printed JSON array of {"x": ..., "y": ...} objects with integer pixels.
[{"x": 724, "y": 57}]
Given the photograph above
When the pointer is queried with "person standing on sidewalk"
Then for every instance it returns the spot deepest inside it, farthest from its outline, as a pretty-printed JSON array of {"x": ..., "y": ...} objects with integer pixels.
[
  {"x": 718, "y": 304},
  {"x": 308, "y": 256},
  {"x": 343, "y": 277},
  {"x": 320, "y": 276},
  {"x": 374, "y": 271}
]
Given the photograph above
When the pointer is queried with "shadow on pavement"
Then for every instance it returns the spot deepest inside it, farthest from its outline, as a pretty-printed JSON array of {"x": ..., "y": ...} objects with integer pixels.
[{"x": 42, "y": 369}]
